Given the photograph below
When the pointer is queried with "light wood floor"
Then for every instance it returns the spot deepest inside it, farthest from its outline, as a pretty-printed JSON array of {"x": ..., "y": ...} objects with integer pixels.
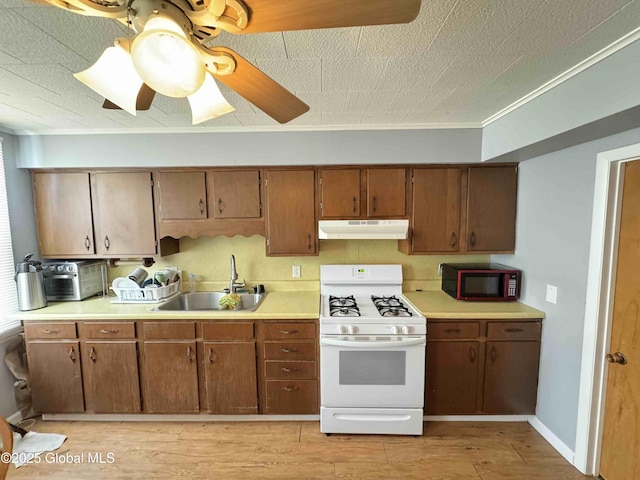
[{"x": 297, "y": 450}]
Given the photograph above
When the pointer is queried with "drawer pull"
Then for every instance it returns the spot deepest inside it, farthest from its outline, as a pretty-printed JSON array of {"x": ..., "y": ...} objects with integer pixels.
[
  {"x": 48, "y": 332},
  {"x": 512, "y": 330},
  {"x": 452, "y": 330},
  {"x": 290, "y": 389},
  {"x": 106, "y": 331},
  {"x": 288, "y": 370},
  {"x": 289, "y": 350},
  {"x": 472, "y": 355},
  {"x": 92, "y": 354},
  {"x": 72, "y": 354},
  {"x": 288, "y": 332}
]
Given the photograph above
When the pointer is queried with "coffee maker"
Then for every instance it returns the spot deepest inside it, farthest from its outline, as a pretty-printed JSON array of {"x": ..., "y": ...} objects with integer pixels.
[{"x": 30, "y": 282}]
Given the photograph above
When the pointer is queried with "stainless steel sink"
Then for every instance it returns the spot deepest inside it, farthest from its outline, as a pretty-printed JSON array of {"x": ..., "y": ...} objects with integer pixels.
[{"x": 188, "y": 302}]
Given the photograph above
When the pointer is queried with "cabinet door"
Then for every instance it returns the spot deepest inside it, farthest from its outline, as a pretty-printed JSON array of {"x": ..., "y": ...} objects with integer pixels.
[
  {"x": 171, "y": 377},
  {"x": 56, "y": 380},
  {"x": 182, "y": 195},
  {"x": 63, "y": 214},
  {"x": 291, "y": 222},
  {"x": 340, "y": 193},
  {"x": 236, "y": 194},
  {"x": 111, "y": 377},
  {"x": 511, "y": 377},
  {"x": 436, "y": 210},
  {"x": 230, "y": 377},
  {"x": 123, "y": 214},
  {"x": 491, "y": 209},
  {"x": 386, "y": 192},
  {"x": 451, "y": 384}
]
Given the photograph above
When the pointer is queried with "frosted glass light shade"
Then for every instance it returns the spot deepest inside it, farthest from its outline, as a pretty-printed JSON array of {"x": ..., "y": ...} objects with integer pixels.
[
  {"x": 114, "y": 77},
  {"x": 208, "y": 102},
  {"x": 166, "y": 59}
]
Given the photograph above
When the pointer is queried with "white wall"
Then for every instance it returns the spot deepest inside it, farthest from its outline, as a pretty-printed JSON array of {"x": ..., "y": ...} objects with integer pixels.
[
  {"x": 251, "y": 149},
  {"x": 553, "y": 231}
]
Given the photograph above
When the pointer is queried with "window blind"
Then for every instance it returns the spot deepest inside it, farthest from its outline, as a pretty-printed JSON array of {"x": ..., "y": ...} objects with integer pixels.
[{"x": 8, "y": 292}]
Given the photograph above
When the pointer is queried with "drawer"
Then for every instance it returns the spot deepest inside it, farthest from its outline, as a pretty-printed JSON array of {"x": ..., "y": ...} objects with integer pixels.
[
  {"x": 50, "y": 330},
  {"x": 169, "y": 330},
  {"x": 110, "y": 330},
  {"x": 292, "y": 396},
  {"x": 304, "y": 369},
  {"x": 514, "y": 330},
  {"x": 286, "y": 331},
  {"x": 452, "y": 330},
  {"x": 227, "y": 331},
  {"x": 290, "y": 351}
]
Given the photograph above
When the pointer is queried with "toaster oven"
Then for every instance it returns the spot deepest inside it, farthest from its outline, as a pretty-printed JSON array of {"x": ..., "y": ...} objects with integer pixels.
[{"x": 74, "y": 280}]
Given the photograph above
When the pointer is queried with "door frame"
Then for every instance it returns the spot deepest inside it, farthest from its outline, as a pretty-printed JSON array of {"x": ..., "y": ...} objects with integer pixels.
[{"x": 603, "y": 254}]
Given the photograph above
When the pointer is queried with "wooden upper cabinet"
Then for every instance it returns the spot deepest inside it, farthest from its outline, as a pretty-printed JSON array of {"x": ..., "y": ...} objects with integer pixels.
[
  {"x": 63, "y": 214},
  {"x": 339, "y": 193},
  {"x": 436, "y": 210},
  {"x": 236, "y": 194},
  {"x": 123, "y": 214},
  {"x": 182, "y": 195},
  {"x": 291, "y": 222},
  {"x": 491, "y": 209},
  {"x": 386, "y": 192}
]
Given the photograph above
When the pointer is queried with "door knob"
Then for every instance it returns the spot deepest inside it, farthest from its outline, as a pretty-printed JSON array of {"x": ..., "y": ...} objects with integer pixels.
[{"x": 616, "y": 358}]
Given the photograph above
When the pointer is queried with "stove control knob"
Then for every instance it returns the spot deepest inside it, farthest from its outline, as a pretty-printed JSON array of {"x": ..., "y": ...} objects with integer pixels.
[
  {"x": 352, "y": 329},
  {"x": 342, "y": 329},
  {"x": 60, "y": 268},
  {"x": 69, "y": 268},
  {"x": 405, "y": 330},
  {"x": 395, "y": 330}
]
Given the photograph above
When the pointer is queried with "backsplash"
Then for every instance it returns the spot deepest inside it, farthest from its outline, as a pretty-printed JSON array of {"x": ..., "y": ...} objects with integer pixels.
[{"x": 209, "y": 258}]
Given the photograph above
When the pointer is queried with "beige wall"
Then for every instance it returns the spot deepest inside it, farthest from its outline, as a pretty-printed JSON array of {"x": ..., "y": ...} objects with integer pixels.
[{"x": 208, "y": 258}]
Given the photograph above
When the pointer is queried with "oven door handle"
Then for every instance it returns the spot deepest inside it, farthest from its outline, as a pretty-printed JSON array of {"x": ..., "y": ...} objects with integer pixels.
[
  {"x": 65, "y": 277},
  {"x": 371, "y": 345}
]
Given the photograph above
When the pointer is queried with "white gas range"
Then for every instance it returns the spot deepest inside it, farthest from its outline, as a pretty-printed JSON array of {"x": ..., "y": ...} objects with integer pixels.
[{"x": 372, "y": 352}]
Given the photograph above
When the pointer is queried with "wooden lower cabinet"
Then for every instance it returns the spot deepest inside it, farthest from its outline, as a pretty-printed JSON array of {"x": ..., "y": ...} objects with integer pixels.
[
  {"x": 230, "y": 377},
  {"x": 111, "y": 382},
  {"x": 171, "y": 377},
  {"x": 291, "y": 396},
  {"x": 56, "y": 377}
]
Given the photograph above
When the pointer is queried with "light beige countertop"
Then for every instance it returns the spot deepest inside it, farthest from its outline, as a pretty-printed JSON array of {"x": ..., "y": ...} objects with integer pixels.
[
  {"x": 276, "y": 305},
  {"x": 437, "y": 304}
]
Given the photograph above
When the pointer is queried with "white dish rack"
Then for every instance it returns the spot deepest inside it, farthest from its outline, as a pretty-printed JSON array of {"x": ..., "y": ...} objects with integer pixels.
[{"x": 147, "y": 295}]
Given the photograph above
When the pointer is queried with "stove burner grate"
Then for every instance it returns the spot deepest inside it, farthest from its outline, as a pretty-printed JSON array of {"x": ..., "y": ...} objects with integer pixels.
[{"x": 395, "y": 312}]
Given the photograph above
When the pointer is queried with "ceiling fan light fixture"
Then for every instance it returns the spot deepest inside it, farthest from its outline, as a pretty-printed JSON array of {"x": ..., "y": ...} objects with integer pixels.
[
  {"x": 166, "y": 60},
  {"x": 114, "y": 77},
  {"x": 208, "y": 102}
]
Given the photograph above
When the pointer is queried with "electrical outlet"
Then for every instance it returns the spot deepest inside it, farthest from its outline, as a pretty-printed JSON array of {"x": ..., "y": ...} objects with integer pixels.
[
  {"x": 295, "y": 271},
  {"x": 439, "y": 269},
  {"x": 552, "y": 294}
]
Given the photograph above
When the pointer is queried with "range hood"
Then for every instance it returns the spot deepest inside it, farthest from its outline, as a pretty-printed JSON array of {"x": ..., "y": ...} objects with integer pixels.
[{"x": 363, "y": 229}]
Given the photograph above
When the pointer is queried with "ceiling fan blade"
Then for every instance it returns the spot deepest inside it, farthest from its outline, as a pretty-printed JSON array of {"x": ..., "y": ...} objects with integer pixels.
[
  {"x": 278, "y": 15},
  {"x": 143, "y": 102},
  {"x": 260, "y": 89}
]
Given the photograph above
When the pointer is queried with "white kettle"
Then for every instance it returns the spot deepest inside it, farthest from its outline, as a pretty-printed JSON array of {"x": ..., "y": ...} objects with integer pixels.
[{"x": 30, "y": 282}]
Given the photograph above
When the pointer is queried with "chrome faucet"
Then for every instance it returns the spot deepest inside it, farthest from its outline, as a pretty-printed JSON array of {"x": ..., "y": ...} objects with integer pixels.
[{"x": 233, "y": 286}]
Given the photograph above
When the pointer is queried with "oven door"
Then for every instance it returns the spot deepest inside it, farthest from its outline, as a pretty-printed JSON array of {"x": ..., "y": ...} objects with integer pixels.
[
  {"x": 61, "y": 287},
  {"x": 372, "y": 371}
]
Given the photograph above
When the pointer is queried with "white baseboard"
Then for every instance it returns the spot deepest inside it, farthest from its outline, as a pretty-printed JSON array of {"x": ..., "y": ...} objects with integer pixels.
[
  {"x": 15, "y": 418},
  {"x": 150, "y": 417},
  {"x": 476, "y": 418},
  {"x": 551, "y": 437}
]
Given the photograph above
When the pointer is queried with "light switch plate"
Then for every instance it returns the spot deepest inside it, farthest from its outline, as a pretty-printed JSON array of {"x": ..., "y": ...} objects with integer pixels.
[
  {"x": 552, "y": 294},
  {"x": 295, "y": 271}
]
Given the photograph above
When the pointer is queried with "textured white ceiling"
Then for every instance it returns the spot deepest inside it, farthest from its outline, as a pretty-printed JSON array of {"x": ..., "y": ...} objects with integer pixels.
[{"x": 457, "y": 64}]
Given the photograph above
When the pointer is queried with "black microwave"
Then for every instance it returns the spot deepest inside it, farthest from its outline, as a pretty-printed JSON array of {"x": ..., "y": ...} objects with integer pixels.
[{"x": 481, "y": 281}]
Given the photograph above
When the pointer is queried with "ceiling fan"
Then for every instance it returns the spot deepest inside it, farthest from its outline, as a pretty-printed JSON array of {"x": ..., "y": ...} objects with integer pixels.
[{"x": 170, "y": 52}]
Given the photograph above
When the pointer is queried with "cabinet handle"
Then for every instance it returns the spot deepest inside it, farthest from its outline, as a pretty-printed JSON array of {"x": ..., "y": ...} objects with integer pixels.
[
  {"x": 494, "y": 353},
  {"x": 289, "y": 350},
  {"x": 288, "y": 370},
  {"x": 355, "y": 204},
  {"x": 513, "y": 330},
  {"x": 48, "y": 332},
  {"x": 92, "y": 354},
  {"x": 72, "y": 354},
  {"x": 290, "y": 389},
  {"x": 107, "y": 242},
  {"x": 454, "y": 239},
  {"x": 309, "y": 241},
  {"x": 210, "y": 355},
  {"x": 189, "y": 353},
  {"x": 375, "y": 203},
  {"x": 87, "y": 242},
  {"x": 201, "y": 205},
  {"x": 452, "y": 330},
  {"x": 288, "y": 332},
  {"x": 219, "y": 205},
  {"x": 473, "y": 239},
  {"x": 472, "y": 355},
  {"x": 105, "y": 331}
]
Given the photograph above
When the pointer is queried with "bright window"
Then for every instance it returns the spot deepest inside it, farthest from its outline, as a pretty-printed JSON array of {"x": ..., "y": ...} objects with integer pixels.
[{"x": 8, "y": 294}]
